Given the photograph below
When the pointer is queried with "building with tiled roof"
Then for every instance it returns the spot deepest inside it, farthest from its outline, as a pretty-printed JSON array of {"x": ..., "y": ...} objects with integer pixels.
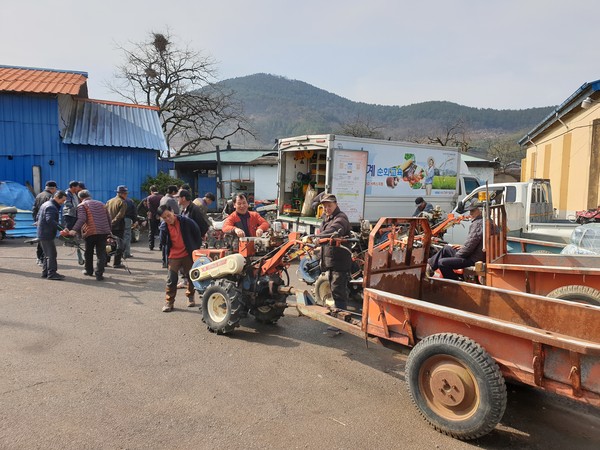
[{"x": 51, "y": 130}]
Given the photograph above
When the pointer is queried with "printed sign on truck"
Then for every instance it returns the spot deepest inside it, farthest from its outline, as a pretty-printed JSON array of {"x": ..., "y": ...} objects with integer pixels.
[{"x": 412, "y": 172}]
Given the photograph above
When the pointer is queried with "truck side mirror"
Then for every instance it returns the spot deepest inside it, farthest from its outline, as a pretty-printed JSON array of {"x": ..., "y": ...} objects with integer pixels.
[{"x": 460, "y": 207}]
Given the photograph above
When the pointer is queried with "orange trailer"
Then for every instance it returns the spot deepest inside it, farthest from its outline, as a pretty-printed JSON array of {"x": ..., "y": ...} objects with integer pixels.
[{"x": 466, "y": 339}]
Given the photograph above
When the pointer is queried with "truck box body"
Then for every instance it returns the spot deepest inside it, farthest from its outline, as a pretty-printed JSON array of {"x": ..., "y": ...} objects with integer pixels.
[{"x": 371, "y": 178}]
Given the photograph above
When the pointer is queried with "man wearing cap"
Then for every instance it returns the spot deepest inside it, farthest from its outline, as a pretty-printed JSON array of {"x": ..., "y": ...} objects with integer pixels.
[
  {"x": 244, "y": 223},
  {"x": 336, "y": 259},
  {"x": 40, "y": 199},
  {"x": 70, "y": 206},
  {"x": 203, "y": 204},
  {"x": 93, "y": 222},
  {"x": 422, "y": 206},
  {"x": 450, "y": 258},
  {"x": 117, "y": 208},
  {"x": 47, "y": 226}
]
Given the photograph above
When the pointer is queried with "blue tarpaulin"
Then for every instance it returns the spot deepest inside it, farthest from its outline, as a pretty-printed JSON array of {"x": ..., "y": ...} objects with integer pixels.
[{"x": 15, "y": 194}]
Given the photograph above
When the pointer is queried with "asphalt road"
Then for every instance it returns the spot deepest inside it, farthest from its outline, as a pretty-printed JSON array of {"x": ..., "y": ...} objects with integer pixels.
[{"x": 88, "y": 364}]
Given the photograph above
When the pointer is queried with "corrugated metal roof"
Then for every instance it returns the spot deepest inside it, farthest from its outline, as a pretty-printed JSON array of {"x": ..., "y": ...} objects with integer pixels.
[
  {"x": 42, "y": 81},
  {"x": 226, "y": 156},
  {"x": 110, "y": 124},
  {"x": 570, "y": 104}
]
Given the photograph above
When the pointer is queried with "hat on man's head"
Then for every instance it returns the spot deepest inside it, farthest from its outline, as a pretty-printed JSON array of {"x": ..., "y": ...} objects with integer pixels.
[
  {"x": 419, "y": 200},
  {"x": 328, "y": 198},
  {"x": 51, "y": 184},
  {"x": 122, "y": 189},
  {"x": 473, "y": 205}
]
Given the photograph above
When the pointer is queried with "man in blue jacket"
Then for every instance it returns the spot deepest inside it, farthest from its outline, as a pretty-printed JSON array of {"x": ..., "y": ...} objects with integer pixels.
[
  {"x": 179, "y": 237},
  {"x": 47, "y": 226}
]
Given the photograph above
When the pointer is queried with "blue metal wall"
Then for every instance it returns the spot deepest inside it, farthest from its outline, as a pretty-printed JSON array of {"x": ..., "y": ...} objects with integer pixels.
[{"x": 29, "y": 135}]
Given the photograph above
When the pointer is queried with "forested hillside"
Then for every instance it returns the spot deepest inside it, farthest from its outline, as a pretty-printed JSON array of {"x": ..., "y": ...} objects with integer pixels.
[{"x": 278, "y": 107}]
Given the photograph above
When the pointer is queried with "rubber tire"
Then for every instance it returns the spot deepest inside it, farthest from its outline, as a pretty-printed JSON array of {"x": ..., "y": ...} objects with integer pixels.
[
  {"x": 577, "y": 293},
  {"x": 268, "y": 314},
  {"x": 231, "y": 296},
  {"x": 322, "y": 291},
  {"x": 488, "y": 401}
]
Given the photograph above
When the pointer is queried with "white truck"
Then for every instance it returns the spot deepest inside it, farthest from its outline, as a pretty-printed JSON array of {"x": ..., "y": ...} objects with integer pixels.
[
  {"x": 529, "y": 211},
  {"x": 371, "y": 178}
]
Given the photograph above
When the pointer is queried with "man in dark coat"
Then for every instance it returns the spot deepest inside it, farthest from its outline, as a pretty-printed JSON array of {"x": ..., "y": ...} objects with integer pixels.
[
  {"x": 450, "y": 258},
  {"x": 336, "y": 259},
  {"x": 40, "y": 199},
  {"x": 117, "y": 208},
  {"x": 179, "y": 237},
  {"x": 47, "y": 226},
  {"x": 152, "y": 203}
]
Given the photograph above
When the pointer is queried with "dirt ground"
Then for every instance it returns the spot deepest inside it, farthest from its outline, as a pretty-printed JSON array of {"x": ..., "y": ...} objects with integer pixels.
[{"x": 88, "y": 364}]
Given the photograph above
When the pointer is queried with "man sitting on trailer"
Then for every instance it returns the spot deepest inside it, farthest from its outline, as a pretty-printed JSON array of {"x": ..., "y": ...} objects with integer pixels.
[{"x": 450, "y": 257}]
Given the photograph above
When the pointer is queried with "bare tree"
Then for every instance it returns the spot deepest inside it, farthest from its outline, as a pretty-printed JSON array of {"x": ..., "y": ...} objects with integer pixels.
[
  {"x": 452, "y": 135},
  {"x": 362, "y": 128},
  {"x": 507, "y": 152},
  {"x": 182, "y": 84}
]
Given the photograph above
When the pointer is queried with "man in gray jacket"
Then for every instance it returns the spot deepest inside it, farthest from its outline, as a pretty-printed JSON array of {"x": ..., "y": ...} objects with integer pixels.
[{"x": 450, "y": 258}]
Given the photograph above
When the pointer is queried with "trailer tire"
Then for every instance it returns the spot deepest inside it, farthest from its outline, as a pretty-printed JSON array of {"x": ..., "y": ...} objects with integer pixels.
[
  {"x": 221, "y": 307},
  {"x": 456, "y": 385},
  {"x": 577, "y": 293}
]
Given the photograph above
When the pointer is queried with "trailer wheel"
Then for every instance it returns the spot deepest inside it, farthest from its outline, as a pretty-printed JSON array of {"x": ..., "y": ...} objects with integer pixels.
[
  {"x": 268, "y": 313},
  {"x": 456, "y": 385},
  {"x": 577, "y": 293},
  {"x": 221, "y": 307},
  {"x": 322, "y": 291}
]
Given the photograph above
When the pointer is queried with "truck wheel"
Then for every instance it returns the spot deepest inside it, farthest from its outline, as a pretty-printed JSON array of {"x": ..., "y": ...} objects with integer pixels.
[
  {"x": 221, "y": 307},
  {"x": 322, "y": 291},
  {"x": 577, "y": 293},
  {"x": 268, "y": 313},
  {"x": 456, "y": 385}
]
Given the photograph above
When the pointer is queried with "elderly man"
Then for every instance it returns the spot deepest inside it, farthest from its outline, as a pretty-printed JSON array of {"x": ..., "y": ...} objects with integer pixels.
[
  {"x": 40, "y": 199},
  {"x": 117, "y": 208},
  {"x": 47, "y": 226},
  {"x": 244, "y": 223},
  {"x": 336, "y": 259},
  {"x": 450, "y": 258},
  {"x": 152, "y": 203},
  {"x": 170, "y": 200},
  {"x": 93, "y": 222},
  {"x": 422, "y": 206},
  {"x": 179, "y": 236},
  {"x": 203, "y": 204}
]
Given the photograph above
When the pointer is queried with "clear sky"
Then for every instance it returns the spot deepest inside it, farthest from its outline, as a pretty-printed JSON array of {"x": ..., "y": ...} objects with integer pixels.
[{"x": 503, "y": 54}]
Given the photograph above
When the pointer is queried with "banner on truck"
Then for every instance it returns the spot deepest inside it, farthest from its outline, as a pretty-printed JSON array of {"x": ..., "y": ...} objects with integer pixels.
[{"x": 416, "y": 172}]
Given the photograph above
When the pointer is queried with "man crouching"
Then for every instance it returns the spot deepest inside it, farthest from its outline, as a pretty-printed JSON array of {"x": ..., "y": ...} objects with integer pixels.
[{"x": 179, "y": 237}]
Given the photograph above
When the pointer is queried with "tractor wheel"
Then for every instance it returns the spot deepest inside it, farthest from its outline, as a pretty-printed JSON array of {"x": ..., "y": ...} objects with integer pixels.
[
  {"x": 577, "y": 293},
  {"x": 456, "y": 385},
  {"x": 267, "y": 313},
  {"x": 221, "y": 307},
  {"x": 322, "y": 291}
]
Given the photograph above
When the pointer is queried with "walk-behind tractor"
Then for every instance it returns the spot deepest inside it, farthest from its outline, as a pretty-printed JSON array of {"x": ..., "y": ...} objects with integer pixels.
[{"x": 233, "y": 286}]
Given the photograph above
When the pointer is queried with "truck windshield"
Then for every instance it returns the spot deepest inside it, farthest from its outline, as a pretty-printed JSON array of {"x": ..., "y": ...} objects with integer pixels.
[{"x": 471, "y": 184}]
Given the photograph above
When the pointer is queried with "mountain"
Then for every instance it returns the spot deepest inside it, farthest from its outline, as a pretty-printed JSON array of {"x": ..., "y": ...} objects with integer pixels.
[{"x": 278, "y": 107}]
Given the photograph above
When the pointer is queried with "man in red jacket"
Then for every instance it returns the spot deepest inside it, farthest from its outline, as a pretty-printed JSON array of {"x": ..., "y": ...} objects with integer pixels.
[{"x": 244, "y": 223}]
